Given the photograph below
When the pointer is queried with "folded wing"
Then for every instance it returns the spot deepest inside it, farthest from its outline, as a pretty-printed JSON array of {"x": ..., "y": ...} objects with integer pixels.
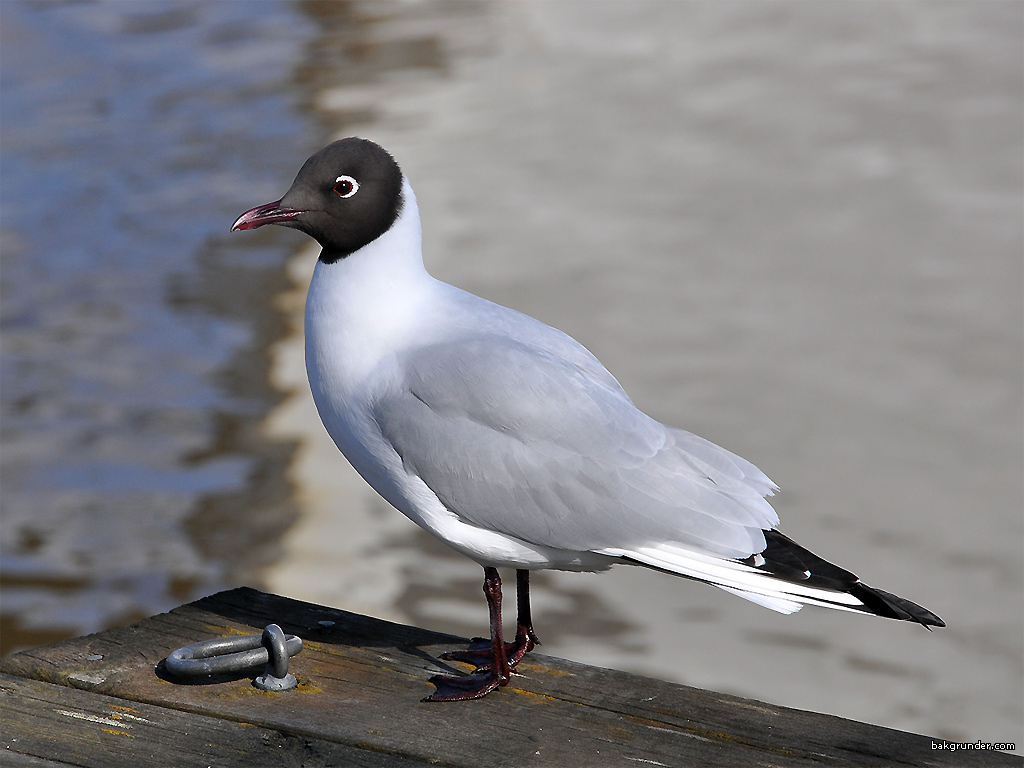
[{"x": 516, "y": 439}]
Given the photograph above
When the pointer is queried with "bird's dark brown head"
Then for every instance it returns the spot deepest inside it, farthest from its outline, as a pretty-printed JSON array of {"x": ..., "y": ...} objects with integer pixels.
[{"x": 345, "y": 196}]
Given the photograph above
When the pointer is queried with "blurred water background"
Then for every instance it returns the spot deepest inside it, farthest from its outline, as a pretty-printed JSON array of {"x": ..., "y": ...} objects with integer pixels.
[{"x": 792, "y": 228}]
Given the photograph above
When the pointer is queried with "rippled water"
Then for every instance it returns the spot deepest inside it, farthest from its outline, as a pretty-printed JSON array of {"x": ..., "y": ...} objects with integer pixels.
[
  {"x": 134, "y": 330},
  {"x": 792, "y": 228}
]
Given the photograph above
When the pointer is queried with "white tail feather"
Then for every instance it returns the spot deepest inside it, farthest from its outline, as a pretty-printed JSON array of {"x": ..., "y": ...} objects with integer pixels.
[
  {"x": 775, "y": 603},
  {"x": 739, "y": 579}
]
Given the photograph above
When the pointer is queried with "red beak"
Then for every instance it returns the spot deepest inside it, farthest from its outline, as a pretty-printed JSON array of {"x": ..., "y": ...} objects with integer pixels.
[{"x": 271, "y": 213}]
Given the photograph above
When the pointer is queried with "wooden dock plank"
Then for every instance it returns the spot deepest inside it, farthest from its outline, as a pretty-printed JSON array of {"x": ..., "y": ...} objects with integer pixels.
[
  {"x": 10, "y": 759},
  {"x": 50, "y": 725},
  {"x": 361, "y": 680}
]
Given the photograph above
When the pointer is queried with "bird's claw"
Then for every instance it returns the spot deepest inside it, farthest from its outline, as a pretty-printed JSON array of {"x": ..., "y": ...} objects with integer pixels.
[
  {"x": 481, "y": 656},
  {"x": 466, "y": 688}
]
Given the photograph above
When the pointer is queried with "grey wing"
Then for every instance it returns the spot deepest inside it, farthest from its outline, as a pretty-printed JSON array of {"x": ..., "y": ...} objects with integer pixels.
[{"x": 515, "y": 439}]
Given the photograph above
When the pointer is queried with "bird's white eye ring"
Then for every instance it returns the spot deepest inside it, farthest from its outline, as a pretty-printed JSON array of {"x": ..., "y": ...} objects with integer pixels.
[{"x": 345, "y": 186}]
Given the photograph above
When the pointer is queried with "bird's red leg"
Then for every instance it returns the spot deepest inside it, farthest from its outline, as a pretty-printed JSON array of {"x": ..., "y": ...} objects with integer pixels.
[
  {"x": 496, "y": 673},
  {"x": 479, "y": 651},
  {"x": 526, "y": 638}
]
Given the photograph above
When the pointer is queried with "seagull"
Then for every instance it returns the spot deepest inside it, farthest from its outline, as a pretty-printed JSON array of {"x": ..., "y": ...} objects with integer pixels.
[{"x": 506, "y": 438}]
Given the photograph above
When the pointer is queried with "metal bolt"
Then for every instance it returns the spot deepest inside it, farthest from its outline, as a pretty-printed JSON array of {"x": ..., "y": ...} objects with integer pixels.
[{"x": 276, "y": 676}]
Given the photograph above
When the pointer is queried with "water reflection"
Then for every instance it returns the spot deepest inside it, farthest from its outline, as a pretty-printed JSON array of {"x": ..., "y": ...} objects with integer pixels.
[{"x": 134, "y": 333}]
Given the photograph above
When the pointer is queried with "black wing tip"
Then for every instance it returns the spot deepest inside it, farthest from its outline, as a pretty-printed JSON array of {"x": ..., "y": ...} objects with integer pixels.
[
  {"x": 789, "y": 561},
  {"x": 891, "y": 606}
]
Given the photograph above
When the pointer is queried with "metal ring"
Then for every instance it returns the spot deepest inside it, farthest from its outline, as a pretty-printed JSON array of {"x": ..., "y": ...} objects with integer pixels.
[
  {"x": 273, "y": 640},
  {"x": 226, "y": 654}
]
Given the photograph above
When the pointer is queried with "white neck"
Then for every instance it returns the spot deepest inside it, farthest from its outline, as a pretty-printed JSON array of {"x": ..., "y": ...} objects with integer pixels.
[
  {"x": 363, "y": 307},
  {"x": 381, "y": 267}
]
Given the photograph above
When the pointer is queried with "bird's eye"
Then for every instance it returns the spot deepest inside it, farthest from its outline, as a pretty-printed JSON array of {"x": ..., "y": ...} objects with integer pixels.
[{"x": 345, "y": 186}]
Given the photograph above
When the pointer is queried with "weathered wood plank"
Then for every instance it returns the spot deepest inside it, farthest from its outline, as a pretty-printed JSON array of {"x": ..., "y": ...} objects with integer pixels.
[
  {"x": 361, "y": 680},
  {"x": 10, "y": 759},
  {"x": 51, "y": 725}
]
